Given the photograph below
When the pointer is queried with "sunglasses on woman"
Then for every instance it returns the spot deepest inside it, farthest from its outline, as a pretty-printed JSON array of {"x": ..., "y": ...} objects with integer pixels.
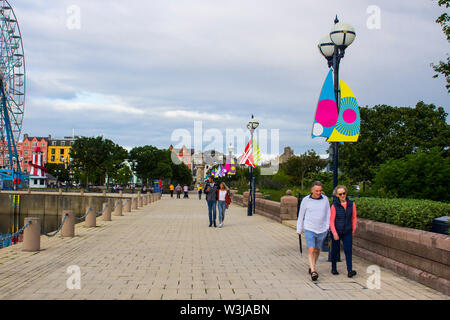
[{"x": 341, "y": 194}]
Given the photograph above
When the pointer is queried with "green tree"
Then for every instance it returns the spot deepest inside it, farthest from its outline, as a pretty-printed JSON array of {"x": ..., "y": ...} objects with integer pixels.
[
  {"x": 392, "y": 133},
  {"x": 423, "y": 175},
  {"x": 116, "y": 159},
  {"x": 94, "y": 158},
  {"x": 300, "y": 167},
  {"x": 150, "y": 163},
  {"x": 144, "y": 162},
  {"x": 123, "y": 175},
  {"x": 59, "y": 171},
  {"x": 181, "y": 174},
  {"x": 444, "y": 67}
]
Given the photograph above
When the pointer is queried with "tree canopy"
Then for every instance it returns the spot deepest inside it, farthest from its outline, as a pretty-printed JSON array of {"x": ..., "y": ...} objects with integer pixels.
[
  {"x": 392, "y": 133},
  {"x": 423, "y": 175},
  {"x": 300, "y": 167},
  {"x": 150, "y": 163},
  {"x": 95, "y": 158}
]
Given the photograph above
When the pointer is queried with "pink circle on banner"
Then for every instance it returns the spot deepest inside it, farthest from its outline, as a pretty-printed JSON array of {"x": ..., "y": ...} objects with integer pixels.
[
  {"x": 349, "y": 115},
  {"x": 326, "y": 113}
]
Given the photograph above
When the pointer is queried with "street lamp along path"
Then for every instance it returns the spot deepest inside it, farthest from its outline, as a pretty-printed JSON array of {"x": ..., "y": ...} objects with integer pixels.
[
  {"x": 252, "y": 125},
  {"x": 337, "y": 114}
]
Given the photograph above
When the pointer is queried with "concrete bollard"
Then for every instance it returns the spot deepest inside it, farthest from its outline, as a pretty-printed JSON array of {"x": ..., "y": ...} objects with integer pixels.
[
  {"x": 128, "y": 205},
  {"x": 134, "y": 204},
  {"x": 91, "y": 218},
  {"x": 29, "y": 190},
  {"x": 59, "y": 191},
  {"x": 104, "y": 193},
  {"x": 107, "y": 211},
  {"x": 145, "y": 199},
  {"x": 119, "y": 207},
  {"x": 68, "y": 229},
  {"x": 120, "y": 193},
  {"x": 140, "y": 201},
  {"x": 82, "y": 192},
  {"x": 32, "y": 235}
]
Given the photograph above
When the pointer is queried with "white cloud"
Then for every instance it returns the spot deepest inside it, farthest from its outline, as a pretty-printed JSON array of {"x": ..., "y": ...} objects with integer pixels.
[{"x": 138, "y": 70}]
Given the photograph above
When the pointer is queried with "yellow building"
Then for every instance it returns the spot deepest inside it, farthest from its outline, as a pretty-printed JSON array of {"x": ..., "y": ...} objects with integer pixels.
[{"x": 58, "y": 150}]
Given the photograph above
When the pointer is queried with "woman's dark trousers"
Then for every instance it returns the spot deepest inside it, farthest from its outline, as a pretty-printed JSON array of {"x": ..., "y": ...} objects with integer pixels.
[{"x": 336, "y": 247}]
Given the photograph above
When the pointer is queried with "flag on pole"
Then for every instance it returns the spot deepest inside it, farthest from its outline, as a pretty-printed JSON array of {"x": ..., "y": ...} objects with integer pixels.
[
  {"x": 256, "y": 153},
  {"x": 227, "y": 166},
  {"x": 247, "y": 157},
  {"x": 232, "y": 170}
]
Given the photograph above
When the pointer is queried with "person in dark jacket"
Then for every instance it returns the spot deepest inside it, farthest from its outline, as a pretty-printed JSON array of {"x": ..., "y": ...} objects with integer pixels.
[
  {"x": 211, "y": 199},
  {"x": 342, "y": 226}
]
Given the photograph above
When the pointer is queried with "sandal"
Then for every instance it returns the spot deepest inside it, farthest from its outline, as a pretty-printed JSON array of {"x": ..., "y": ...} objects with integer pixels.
[{"x": 314, "y": 276}]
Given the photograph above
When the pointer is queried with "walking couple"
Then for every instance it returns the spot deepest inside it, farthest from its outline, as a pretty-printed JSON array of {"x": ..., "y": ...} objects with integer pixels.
[
  {"x": 219, "y": 195},
  {"x": 317, "y": 218}
]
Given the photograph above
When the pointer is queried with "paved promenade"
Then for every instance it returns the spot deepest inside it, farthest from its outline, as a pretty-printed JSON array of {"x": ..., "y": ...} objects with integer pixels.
[{"x": 167, "y": 251}]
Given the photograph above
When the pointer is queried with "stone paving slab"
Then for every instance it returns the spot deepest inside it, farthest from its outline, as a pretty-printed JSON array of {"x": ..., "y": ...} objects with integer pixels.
[{"x": 167, "y": 251}]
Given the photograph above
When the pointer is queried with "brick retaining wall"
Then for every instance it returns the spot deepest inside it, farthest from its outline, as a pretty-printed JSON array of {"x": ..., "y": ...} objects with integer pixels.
[{"x": 419, "y": 255}]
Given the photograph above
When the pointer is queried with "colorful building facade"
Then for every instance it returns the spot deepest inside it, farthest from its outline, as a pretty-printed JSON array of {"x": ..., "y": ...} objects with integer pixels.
[
  {"x": 25, "y": 152},
  {"x": 59, "y": 150}
]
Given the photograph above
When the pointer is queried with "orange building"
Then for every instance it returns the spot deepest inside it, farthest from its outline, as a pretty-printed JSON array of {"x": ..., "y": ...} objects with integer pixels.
[{"x": 25, "y": 151}]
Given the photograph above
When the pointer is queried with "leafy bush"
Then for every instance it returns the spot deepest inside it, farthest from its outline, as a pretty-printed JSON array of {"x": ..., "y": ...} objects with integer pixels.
[
  {"x": 410, "y": 213},
  {"x": 268, "y": 183},
  {"x": 423, "y": 175}
]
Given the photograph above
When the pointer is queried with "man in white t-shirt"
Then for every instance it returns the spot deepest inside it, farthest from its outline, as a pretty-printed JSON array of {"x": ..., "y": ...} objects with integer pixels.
[{"x": 314, "y": 218}]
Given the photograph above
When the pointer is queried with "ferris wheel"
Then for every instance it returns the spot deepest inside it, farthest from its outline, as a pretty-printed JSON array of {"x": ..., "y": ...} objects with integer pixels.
[{"x": 12, "y": 85}]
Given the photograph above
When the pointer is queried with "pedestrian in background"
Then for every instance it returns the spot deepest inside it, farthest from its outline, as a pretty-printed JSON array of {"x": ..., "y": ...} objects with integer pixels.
[
  {"x": 343, "y": 226},
  {"x": 224, "y": 200},
  {"x": 171, "y": 188},
  {"x": 211, "y": 199},
  {"x": 178, "y": 190},
  {"x": 200, "y": 190},
  {"x": 314, "y": 218},
  {"x": 186, "y": 190}
]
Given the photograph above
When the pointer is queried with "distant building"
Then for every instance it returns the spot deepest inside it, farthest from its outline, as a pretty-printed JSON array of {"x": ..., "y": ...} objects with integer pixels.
[
  {"x": 25, "y": 151},
  {"x": 185, "y": 155},
  {"x": 59, "y": 149},
  {"x": 288, "y": 153}
]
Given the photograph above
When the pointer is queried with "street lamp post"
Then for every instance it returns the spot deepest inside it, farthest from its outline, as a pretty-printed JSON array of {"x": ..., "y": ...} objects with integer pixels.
[
  {"x": 332, "y": 47},
  {"x": 252, "y": 125}
]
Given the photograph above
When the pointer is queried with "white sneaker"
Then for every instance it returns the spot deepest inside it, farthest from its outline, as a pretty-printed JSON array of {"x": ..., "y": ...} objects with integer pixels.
[{"x": 221, "y": 225}]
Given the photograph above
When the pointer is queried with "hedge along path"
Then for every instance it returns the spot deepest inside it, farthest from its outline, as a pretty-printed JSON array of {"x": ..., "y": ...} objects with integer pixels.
[{"x": 410, "y": 213}]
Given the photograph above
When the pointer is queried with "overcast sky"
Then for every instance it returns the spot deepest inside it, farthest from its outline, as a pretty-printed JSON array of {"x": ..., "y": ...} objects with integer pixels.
[{"x": 135, "y": 71}]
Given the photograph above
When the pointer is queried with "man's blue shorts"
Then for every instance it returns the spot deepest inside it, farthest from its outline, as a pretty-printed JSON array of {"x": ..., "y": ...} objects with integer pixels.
[{"x": 315, "y": 239}]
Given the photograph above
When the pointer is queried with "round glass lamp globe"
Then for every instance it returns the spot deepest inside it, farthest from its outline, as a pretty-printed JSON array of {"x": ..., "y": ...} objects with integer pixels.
[
  {"x": 326, "y": 46},
  {"x": 254, "y": 123},
  {"x": 343, "y": 34}
]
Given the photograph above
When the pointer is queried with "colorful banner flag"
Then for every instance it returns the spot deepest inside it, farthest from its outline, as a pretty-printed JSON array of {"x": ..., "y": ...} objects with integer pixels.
[
  {"x": 247, "y": 157},
  {"x": 227, "y": 166},
  {"x": 232, "y": 170},
  {"x": 256, "y": 153},
  {"x": 342, "y": 126}
]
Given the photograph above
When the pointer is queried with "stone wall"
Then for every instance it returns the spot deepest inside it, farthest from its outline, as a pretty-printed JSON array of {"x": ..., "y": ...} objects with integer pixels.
[
  {"x": 46, "y": 206},
  {"x": 419, "y": 255}
]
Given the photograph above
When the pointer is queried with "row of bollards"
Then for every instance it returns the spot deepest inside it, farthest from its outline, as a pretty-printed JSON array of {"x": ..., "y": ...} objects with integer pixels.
[{"x": 32, "y": 234}]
